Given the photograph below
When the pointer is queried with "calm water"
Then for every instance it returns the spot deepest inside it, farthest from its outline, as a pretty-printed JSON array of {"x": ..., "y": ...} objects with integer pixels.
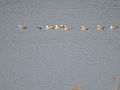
[{"x": 59, "y": 60}]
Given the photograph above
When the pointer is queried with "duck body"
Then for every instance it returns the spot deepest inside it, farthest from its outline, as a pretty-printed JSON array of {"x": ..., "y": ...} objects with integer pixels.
[
  {"x": 83, "y": 28},
  {"x": 22, "y": 27},
  {"x": 57, "y": 27},
  {"x": 113, "y": 27},
  {"x": 77, "y": 87},
  {"x": 100, "y": 27},
  {"x": 62, "y": 27},
  {"x": 67, "y": 28},
  {"x": 49, "y": 27}
]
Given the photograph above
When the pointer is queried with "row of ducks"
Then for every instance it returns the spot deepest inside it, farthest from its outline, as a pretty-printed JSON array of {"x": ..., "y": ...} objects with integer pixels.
[
  {"x": 48, "y": 27},
  {"x": 83, "y": 28}
]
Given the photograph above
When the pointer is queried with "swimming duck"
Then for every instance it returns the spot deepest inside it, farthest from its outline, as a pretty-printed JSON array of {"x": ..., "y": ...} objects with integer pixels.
[
  {"x": 113, "y": 27},
  {"x": 67, "y": 28},
  {"x": 62, "y": 27},
  {"x": 83, "y": 28},
  {"x": 99, "y": 27},
  {"x": 78, "y": 87},
  {"x": 57, "y": 27},
  {"x": 49, "y": 27},
  {"x": 21, "y": 27},
  {"x": 38, "y": 28}
]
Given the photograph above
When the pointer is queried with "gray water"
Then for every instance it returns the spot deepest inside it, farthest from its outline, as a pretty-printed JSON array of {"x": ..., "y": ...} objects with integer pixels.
[{"x": 56, "y": 59}]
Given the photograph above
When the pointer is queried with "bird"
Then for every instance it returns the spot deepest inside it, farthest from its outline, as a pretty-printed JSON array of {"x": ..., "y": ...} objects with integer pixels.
[
  {"x": 67, "y": 28},
  {"x": 62, "y": 27},
  {"x": 113, "y": 27},
  {"x": 83, "y": 28},
  {"x": 78, "y": 87},
  {"x": 99, "y": 27},
  {"x": 21, "y": 27},
  {"x": 57, "y": 27},
  {"x": 49, "y": 27},
  {"x": 38, "y": 28}
]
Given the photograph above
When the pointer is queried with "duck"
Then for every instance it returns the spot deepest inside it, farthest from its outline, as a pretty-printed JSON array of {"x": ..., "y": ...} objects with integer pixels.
[
  {"x": 99, "y": 27},
  {"x": 67, "y": 28},
  {"x": 38, "y": 28},
  {"x": 21, "y": 27},
  {"x": 113, "y": 27},
  {"x": 78, "y": 87},
  {"x": 49, "y": 27},
  {"x": 62, "y": 27},
  {"x": 83, "y": 28},
  {"x": 57, "y": 27}
]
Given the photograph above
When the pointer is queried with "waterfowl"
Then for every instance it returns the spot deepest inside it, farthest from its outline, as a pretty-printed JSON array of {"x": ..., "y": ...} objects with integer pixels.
[
  {"x": 99, "y": 27},
  {"x": 77, "y": 87},
  {"x": 113, "y": 27},
  {"x": 83, "y": 28},
  {"x": 67, "y": 28},
  {"x": 38, "y": 28},
  {"x": 49, "y": 27},
  {"x": 21, "y": 27},
  {"x": 57, "y": 27},
  {"x": 62, "y": 27}
]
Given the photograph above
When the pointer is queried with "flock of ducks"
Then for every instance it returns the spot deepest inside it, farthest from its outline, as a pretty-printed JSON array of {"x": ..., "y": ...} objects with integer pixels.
[{"x": 83, "y": 28}]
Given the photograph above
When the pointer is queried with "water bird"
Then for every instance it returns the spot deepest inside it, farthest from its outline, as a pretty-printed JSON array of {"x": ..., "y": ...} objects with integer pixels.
[
  {"x": 113, "y": 27},
  {"x": 38, "y": 28},
  {"x": 49, "y": 27},
  {"x": 62, "y": 27},
  {"x": 99, "y": 27},
  {"x": 67, "y": 28},
  {"x": 57, "y": 27},
  {"x": 78, "y": 87},
  {"x": 83, "y": 28},
  {"x": 21, "y": 27}
]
